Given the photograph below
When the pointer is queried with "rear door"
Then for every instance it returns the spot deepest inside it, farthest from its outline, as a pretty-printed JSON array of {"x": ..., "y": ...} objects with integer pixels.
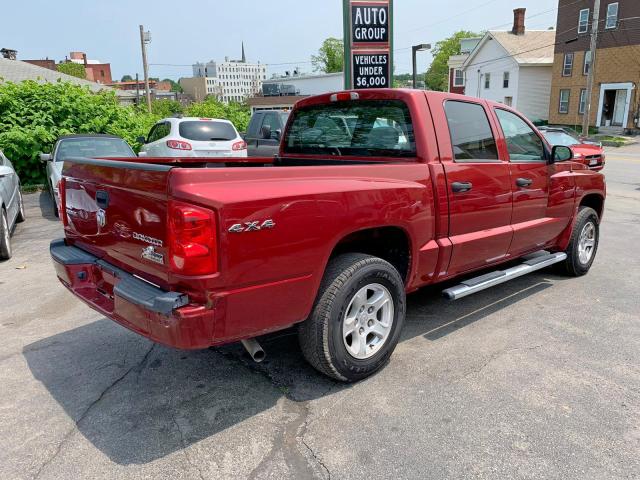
[
  {"x": 156, "y": 141},
  {"x": 530, "y": 178},
  {"x": 479, "y": 186}
]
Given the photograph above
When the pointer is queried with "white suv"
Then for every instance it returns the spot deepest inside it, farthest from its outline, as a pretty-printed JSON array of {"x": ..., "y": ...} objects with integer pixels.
[{"x": 193, "y": 137}]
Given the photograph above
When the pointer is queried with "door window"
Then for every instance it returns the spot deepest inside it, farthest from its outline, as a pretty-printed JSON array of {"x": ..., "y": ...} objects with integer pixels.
[
  {"x": 161, "y": 130},
  {"x": 523, "y": 143},
  {"x": 471, "y": 136}
]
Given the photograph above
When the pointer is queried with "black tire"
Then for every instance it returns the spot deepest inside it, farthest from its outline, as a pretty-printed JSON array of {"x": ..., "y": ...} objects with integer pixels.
[
  {"x": 574, "y": 265},
  {"x": 56, "y": 212},
  {"x": 321, "y": 335},
  {"x": 21, "y": 214},
  {"x": 5, "y": 241}
]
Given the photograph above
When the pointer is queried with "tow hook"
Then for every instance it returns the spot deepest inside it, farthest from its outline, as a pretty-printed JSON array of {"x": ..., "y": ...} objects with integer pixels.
[{"x": 254, "y": 349}]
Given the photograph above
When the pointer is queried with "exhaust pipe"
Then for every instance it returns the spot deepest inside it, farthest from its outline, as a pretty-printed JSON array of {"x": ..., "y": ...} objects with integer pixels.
[{"x": 254, "y": 349}]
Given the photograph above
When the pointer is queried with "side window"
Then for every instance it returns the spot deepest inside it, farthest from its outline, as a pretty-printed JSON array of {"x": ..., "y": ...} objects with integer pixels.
[
  {"x": 567, "y": 66},
  {"x": 254, "y": 126},
  {"x": 523, "y": 143},
  {"x": 471, "y": 136},
  {"x": 161, "y": 130},
  {"x": 271, "y": 120},
  {"x": 583, "y": 21}
]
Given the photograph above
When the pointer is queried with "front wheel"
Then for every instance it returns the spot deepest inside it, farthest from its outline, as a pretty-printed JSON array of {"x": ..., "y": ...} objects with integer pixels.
[
  {"x": 5, "y": 233},
  {"x": 583, "y": 245},
  {"x": 357, "y": 319}
]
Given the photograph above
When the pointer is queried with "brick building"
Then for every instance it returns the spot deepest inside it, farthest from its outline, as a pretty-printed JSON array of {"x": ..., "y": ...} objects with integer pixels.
[
  {"x": 615, "y": 103},
  {"x": 96, "y": 70}
]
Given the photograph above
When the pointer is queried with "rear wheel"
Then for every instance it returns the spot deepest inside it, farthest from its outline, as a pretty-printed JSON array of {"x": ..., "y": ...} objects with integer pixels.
[
  {"x": 357, "y": 319},
  {"x": 5, "y": 240},
  {"x": 583, "y": 245}
]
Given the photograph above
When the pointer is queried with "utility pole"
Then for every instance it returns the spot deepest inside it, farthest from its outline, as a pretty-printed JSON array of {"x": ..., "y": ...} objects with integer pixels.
[
  {"x": 592, "y": 69},
  {"x": 145, "y": 38}
]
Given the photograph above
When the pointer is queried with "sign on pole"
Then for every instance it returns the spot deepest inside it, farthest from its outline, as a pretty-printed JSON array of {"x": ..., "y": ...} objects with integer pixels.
[{"x": 368, "y": 44}]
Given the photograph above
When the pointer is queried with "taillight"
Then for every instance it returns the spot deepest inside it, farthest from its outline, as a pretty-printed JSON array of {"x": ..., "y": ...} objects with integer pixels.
[
  {"x": 192, "y": 240},
  {"x": 239, "y": 146},
  {"x": 178, "y": 145},
  {"x": 63, "y": 201}
]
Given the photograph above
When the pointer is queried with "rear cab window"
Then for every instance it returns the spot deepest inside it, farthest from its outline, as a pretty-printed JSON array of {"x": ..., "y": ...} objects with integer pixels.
[
  {"x": 472, "y": 139},
  {"x": 207, "y": 130},
  {"x": 363, "y": 128}
]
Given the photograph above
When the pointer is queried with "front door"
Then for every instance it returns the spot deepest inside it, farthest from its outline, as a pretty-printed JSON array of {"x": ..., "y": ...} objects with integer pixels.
[
  {"x": 479, "y": 186},
  {"x": 619, "y": 108},
  {"x": 532, "y": 228}
]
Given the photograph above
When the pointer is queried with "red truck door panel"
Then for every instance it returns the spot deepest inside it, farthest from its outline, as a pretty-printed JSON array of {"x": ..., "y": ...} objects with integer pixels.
[
  {"x": 532, "y": 225},
  {"x": 479, "y": 187}
]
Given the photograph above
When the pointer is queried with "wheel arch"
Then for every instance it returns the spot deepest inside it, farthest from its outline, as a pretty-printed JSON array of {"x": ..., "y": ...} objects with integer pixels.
[{"x": 595, "y": 201}]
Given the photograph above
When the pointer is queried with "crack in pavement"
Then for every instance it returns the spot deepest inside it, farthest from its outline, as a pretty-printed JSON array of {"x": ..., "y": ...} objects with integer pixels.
[
  {"x": 290, "y": 434},
  {"x": 86, "y": 412},
  {"x": 493, "y": 357}
]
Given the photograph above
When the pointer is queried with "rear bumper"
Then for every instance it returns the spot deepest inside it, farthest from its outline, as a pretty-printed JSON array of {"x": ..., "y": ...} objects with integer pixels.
[{"x": 164, "y": 317}]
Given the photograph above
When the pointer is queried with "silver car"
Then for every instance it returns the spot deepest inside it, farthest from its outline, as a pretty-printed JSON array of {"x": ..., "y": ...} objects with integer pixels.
[
  {"x": 70, "y": 146},
  {"x": 11, "y": 206}
]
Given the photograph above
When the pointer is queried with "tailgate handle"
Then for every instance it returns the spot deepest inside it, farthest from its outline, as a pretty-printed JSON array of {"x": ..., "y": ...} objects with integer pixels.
[{"x": 102, "y": 198}]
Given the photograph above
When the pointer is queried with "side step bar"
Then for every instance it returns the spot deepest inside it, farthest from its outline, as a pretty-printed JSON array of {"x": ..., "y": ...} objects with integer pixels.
[{"x": 532, "y": 263}]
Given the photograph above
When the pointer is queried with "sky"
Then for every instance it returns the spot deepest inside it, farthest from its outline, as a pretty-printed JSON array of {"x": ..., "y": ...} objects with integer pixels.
[{"x": 281, "y": 33}]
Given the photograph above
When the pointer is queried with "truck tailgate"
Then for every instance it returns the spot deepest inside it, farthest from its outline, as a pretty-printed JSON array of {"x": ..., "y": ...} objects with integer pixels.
[{"x": 118, "y": 212}]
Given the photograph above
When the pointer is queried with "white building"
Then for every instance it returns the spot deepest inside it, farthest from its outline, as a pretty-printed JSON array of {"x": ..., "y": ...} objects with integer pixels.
[
  {"x": 229, "y": 81},
  {"x": 301, "y": 84},
  {"x": 456, "y": 74},
  {"x": 514, "y": 68}
]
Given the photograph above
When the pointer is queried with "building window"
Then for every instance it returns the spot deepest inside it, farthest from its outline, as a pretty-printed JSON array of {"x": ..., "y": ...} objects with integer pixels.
[
  {"x": 567, "y": 68},
  {"x": 583, "y": 101},
  {"x": 612, "y": 16},
  {"x": 508, "y": 101},
  {"x": 583, "y": 21},
  {"x": 587, "y": 62},
  {"x": 564, "y": 101},
  {"x": 505, "y": 80},
  {"x": 458, "y": 78},
  {"x": 487, "y": 81}
]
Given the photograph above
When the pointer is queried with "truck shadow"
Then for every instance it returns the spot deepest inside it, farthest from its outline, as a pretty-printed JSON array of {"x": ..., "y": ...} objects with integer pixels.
[{"x": 137, "y": 402}]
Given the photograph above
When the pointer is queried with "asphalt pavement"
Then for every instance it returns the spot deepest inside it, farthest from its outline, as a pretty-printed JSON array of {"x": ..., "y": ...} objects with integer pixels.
[{"x": 537, "y": 378}]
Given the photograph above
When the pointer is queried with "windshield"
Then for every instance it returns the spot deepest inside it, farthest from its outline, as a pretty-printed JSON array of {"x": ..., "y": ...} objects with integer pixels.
[
  {"x": 93, "y": 147},
  {"x": 206, "y": 131},
  {"x": 560, "y": 138},
  {"x": 361, "y": 128}
]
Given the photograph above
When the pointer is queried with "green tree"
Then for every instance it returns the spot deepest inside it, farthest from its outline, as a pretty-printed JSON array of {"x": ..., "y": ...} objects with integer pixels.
[
  {"x": 175, "y": 86},
  {"x": 166, "y": 108},
  {"x": 330, "y": 58},
  {"x": 73, "y": 69},
  {"x": 126, "y": 78},
  {"x": 237, "y": 113},
  {"x": 437, "y": 77}
]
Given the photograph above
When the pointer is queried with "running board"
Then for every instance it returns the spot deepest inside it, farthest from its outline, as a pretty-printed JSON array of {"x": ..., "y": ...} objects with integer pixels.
[{"x": 531, "y": 263}]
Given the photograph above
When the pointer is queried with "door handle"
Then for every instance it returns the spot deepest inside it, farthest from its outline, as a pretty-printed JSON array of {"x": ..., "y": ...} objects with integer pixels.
[
  {"x": 461, "y": 187},
  {"x": 102, "y": 199},
  {"x": 524, "y": 182}
]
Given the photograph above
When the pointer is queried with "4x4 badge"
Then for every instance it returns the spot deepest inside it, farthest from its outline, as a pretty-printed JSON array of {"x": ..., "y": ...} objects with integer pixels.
[{"x": 254, "y": 226}]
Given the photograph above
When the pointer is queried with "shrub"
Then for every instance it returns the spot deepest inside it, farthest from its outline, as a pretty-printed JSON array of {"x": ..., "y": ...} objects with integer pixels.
[{"x": 73, "y": 69}]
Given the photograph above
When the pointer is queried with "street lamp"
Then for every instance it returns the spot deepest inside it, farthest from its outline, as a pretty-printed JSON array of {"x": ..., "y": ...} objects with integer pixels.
[{"x": 414, "y": 50}]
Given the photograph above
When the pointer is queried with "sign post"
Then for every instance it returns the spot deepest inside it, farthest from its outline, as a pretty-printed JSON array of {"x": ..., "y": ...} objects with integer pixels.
[{"x": 368, "y": 43}]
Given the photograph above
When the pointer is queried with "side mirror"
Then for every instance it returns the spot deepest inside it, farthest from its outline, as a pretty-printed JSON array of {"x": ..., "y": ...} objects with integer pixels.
[
  {"x": 560, "y": 153},
  {"x": 141, "y": 140},
  {"x": 45, "y": 157},
  {"x": 5, "y": 171},
  {"x": 277, "y": 135},
  {"x": 266, "y": 132}
]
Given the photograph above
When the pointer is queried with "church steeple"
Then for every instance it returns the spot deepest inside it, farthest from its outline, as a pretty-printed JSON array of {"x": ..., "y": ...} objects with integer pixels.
[{"x": 244, "y": 58}]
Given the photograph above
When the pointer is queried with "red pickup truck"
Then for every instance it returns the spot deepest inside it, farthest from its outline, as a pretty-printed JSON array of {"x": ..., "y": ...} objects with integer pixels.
[{"x": 374, "y": 194}]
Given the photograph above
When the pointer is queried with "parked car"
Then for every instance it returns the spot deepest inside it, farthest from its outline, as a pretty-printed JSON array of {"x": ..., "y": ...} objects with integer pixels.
[
  {"x": 588, "y": 153},
  {"x": 83, "y": 145},
  {"x": 11, "y": 205},
  {"x": 265, "y": 131},
  {"x": 193, "y": 137},
  {"x": 334, "y": 231}
]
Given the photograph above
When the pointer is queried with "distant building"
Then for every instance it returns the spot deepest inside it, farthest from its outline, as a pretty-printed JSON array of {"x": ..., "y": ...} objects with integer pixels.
[
  {"x": 615, "y": 102},
  {"x": 228, "y": 81},
  {"x": 456, "y": 73},
  {"x": 513, "y": 67},
  {"x": 96, "y": 70},
  {"x": 45, "y": 63}
]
